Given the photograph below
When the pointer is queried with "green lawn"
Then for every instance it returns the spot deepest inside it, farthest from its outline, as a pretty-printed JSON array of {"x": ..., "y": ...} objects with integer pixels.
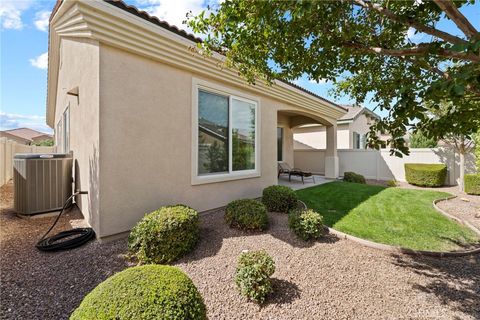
[{"x": 395, "y": 216}]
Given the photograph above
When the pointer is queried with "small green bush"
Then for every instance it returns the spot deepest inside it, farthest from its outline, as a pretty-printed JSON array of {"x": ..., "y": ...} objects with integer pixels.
[
  {"x": 144, "y": 292},
  {"x": 253, "y": 274},
  {"x": 279, "y": 198},
  {"x": 164, "y": 235},
  {"x": 246, "y": 214},
  {"x": 307, "y": 224},
  {"x": 425, "y": 175},
  {"x": 353, "y": 177},
  {"x": 391, "y": 183},
  {"x": 472, "y": 183}
]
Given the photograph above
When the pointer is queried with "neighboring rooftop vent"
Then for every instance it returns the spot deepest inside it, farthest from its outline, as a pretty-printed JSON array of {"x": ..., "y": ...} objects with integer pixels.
[{"x": 42, "y": 182}]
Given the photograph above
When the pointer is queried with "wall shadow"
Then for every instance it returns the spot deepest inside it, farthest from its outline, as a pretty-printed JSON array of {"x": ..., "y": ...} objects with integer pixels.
[
  {"x": 451, "y": 158},
  {"x": 454, "y": 281},
  {"x": 335, "y": 200}
]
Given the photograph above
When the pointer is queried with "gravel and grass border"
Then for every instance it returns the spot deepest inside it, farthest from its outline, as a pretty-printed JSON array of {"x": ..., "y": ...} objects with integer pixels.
[{"x": 396, "y": 249}]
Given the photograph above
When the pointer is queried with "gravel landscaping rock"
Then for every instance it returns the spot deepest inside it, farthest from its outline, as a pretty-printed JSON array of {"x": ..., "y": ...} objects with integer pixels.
[
  {"x": 464, "y": 206},
  {"x": 327, "y": 279}
]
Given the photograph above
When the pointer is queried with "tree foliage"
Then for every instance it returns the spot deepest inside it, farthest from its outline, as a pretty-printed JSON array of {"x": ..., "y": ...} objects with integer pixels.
[
  {"x": 43, "y": 143},
  {"x": 476, "y": 139},
  {"x": 419, "y": 140},
  {"x": 362, "y": 47}
]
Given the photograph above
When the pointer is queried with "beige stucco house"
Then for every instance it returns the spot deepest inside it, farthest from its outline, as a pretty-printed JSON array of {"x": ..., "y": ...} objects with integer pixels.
[
  {"x": 25, "y": 136},
  {"x": 352, "y": 129},
  {"x": 150, "y": 122}
]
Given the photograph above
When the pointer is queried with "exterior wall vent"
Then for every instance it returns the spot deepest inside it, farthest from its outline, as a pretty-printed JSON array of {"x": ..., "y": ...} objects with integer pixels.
[{"x": 42, "y": 182}]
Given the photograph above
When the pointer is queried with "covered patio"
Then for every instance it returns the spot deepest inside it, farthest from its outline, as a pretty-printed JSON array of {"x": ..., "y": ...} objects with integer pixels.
[
  {"x": 296, "y": 182},
  {"x": 287, "y": 120}
]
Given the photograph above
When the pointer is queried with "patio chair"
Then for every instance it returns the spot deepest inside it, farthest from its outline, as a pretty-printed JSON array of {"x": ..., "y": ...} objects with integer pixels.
[{"x": 284, "y": 168}]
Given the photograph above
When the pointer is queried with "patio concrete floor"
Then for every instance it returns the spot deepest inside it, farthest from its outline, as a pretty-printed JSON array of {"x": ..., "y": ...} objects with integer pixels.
[{"x": 296, "y": 182}]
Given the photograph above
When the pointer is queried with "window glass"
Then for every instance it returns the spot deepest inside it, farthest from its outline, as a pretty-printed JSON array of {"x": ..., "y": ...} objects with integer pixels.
[
  {"x": 58, "y": 135},
  {"x": 279, "y": 144},
  {"x": 66, "y": 130},
  {"x": 243, "y": 135},
  {"x": 362, "y": 141},
  {"x": 356, "y": 140},
  {"x": 213, "y": 132}
]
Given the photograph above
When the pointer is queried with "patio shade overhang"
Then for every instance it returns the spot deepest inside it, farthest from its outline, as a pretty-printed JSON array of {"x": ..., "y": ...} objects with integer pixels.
[{"x": 115, "y": 24}]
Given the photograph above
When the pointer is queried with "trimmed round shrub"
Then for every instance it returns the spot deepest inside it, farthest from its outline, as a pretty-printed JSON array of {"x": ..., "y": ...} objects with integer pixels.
[
  {"x": 144, "y": 292},
  {"x": 279, "y": 198},
  {"x": 306, "y": 224},
  {"x": 353, "y": 177},
  {"x": 392, "y": 183},
  {"x": 472, "y": 183},
  {"x": 246, "y": 214},
  {"x": 164, "y": 235},
  {"x": 253, "y": 273},
  {"x": 425, "y": 175}
]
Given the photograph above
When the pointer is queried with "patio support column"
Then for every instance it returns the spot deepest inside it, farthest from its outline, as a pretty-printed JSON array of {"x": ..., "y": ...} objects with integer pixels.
[{"x": 331, "y": 157}]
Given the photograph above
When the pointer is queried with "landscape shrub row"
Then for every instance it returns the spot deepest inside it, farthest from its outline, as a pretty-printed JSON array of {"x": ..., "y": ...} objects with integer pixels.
[
  {"x": 167, "y": 234},
  {"x": 472, "y": 183},
  {"x": 425, "y": 174},
  {"x": 353, "y": 177}
]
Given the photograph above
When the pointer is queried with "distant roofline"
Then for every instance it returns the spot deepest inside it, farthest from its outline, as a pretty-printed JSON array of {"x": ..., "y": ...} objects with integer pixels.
[
  {"x": 40, "y": 132},
  {"x": 361, "y": 110}
]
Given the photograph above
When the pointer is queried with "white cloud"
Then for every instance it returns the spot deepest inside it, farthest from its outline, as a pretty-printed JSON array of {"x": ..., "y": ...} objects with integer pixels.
[
  {"x": 41, "y": 20},
  {"x": 320, "y": 81},
  {"x": 12, "y": 121},
  {"x": 41, "y": 61},
  {"x": 174, "y": 11},
  {"x": 11, "y": 13}
]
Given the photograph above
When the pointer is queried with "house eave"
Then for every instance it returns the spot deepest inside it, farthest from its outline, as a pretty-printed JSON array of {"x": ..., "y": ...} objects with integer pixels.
[{"x": 112, "y": 26}]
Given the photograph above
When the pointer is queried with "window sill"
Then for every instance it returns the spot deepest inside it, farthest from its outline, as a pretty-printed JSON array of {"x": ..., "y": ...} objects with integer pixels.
[{"x": 214, "y": 178}]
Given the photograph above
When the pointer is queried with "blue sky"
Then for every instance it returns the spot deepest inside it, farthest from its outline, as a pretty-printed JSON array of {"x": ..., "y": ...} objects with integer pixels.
[{"x": 24, "y": 45}]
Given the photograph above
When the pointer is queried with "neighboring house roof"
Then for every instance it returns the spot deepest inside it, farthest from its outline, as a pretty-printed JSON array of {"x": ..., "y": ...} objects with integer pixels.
[
  {"x": 354, "y": 112},
  {"x": 27, "y": 133},
  {"x": 174, "y": 29}
]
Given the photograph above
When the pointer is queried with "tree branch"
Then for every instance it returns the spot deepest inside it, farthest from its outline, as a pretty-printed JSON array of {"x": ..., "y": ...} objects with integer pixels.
[
  {"x": 419, "y": 50},
  {"x": 457, "y": 17},
  {"x": 410, "y": 22}
]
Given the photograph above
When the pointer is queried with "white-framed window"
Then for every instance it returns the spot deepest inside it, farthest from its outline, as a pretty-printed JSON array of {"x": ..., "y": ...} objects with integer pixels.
[
  {"x": 58, "y": 135},
  {"x": 359, "y": 140},
  {"x": 225, "y": 134},
  {"x": 66, "y": 130},
  {"x": 279, "y": 144}
]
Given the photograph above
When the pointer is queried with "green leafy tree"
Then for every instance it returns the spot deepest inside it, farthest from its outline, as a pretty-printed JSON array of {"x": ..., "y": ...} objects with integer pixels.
[
  {"x": 476, "y": 139},
  {"x": 217, "y": 158},
  {"x": 43, "y": 143},
  {"x": 361, "y": 46},
  {"x": 419, "y": 140}
]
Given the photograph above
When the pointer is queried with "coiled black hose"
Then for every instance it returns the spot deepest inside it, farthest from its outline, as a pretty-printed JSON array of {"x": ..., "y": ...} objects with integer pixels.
[{"x": 75, "y": 237}]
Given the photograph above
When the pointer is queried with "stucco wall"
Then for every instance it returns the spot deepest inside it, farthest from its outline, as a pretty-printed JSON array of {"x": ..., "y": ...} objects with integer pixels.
[
  {"x": 79, "y": 67},
  {"x": 360, "y": 125},
  {"x": 316, "y": 137},
  {"x": 145, "y": 130},
  {"x": 380, "y": 165},
  {"x": 283, "y": 121}
]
